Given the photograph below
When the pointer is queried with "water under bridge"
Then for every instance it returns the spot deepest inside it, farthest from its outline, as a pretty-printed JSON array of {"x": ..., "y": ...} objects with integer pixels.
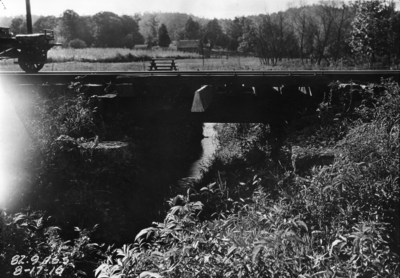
[{"x": 216, "y": 96}]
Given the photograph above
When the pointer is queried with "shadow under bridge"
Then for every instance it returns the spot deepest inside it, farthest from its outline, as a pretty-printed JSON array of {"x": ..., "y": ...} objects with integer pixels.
[{"x": 220, "y": 97}]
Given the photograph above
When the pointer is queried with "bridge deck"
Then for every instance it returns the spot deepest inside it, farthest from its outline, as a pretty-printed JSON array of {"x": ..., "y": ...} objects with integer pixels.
[
  {"x": 251, "y": 78},
  {"x": 135, "y": 91}
]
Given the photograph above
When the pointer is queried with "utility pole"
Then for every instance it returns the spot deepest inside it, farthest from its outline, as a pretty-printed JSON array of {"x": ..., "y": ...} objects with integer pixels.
[{"x": 28, "y": 17}]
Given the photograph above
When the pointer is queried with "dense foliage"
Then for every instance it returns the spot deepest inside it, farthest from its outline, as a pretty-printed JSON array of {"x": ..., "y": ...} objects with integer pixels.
[
  {"x": 329, "y": 32},
  {"x": 163, "y": 38},
  {"x": 83, "y": 179},
  {"x": 73, "y": 183},
  {"x": 337, "y": 220},
  {"x": 372, "y": 33},
  {"x": 31, "y": 240},
  {"x": 248, "y": 217}
]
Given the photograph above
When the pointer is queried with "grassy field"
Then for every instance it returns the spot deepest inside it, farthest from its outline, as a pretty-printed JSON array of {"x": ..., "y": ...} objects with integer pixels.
[
  {"x": 183, "y": 65},
  {"x": 113, "y": 55},
  {"x": 120, "y": 59},
  {"x": 232, "y": 63}
]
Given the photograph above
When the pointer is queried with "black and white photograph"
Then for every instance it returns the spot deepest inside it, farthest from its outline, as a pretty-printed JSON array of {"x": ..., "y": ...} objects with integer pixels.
[{"x": 199, "y": 139}]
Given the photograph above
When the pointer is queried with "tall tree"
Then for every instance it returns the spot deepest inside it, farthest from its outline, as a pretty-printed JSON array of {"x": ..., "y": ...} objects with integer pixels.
[
  {"x": 174, "y": 22},
  {"x": 86, "y": 29},
  {"x": 372, "y": 31},
  {"x": 163, "y": 38},
  {"x": 270, "y": 37},
  {"x": 152, "y": 36},
  {"x": 129, "y": 24},
  {"x": 322, "y": 25},
  {"x": 396, "y": 29},
  {"x": 45, "y": 22},
  {"x": 70, "y": 25},
  {"x": 247, "y": 42},
  {"x": 192, "y": 29},
  {"x": 300, "y": 25},
  {"x": 131, "y": 32},
  {"x": 342, "y": 29},
  {"x": 213, "y": 33},
  {"x": 235, "y": 31},
  {"x": 108, "y": 29},
  {"x": 18, "y": 26}
]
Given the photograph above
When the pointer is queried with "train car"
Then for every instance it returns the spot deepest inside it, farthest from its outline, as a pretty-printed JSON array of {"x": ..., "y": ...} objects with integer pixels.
[{"x": 29, "y": 49}]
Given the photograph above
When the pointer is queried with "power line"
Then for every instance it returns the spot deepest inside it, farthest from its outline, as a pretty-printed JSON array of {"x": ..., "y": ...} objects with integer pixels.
[{"x": 4, "y": 6}]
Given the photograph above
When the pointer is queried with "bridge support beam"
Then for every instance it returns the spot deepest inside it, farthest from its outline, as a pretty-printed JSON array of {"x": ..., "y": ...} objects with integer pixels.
[
  {"x": 126, "y": 90},
  {"x": 202, "y": 98}
]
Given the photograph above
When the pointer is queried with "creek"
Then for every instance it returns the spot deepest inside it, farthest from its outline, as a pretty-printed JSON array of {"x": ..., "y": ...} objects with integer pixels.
[
  {"x": 209, "y": 145},
  {"x": 122, "y": 203}
]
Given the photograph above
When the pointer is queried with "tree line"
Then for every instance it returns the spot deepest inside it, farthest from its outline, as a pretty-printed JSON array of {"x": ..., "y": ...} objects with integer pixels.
[{"x": 328, "y": 31}]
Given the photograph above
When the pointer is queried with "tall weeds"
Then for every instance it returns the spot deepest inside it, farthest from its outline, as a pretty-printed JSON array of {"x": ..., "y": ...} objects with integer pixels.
[
  {"x": 340, "y": 220},
  {"x": 257, "y": 219}
]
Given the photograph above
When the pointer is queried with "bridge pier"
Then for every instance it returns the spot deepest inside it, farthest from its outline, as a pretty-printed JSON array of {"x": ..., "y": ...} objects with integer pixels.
[{"x": 202, "y": 98}]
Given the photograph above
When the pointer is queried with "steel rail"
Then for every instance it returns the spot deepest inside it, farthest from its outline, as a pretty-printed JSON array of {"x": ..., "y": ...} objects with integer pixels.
[
  {"x": 184, "y": 73},
  {"x": 110, "y": 76},
  {"x": 240, "y": 72}
]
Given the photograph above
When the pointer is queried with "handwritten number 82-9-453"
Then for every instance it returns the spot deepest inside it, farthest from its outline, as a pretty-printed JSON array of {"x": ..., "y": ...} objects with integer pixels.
[{"x": 19, "y": 261}]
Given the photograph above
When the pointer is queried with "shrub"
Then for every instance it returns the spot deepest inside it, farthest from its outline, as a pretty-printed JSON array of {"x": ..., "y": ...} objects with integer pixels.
[
  {"x": 29, "y": 239},
  {"x": 340, "y": 220},
  {"x": 263, "y": 239},
  {"x": 83, "y": 183},
  {"x": 77, "y": 43},
  {"x": 72, "y": 181},
  {"x": 243, "y": 141}
]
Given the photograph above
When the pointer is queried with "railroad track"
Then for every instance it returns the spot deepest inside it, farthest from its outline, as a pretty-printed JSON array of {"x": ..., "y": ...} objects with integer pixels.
[{"x": 194, "y": 78}]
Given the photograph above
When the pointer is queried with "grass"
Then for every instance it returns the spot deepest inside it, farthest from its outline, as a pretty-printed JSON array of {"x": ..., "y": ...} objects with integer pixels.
[
  {"x": 122, "y": 59},
  {"x": 112, "y": 55},
  {"x": 244, "y": 63}
]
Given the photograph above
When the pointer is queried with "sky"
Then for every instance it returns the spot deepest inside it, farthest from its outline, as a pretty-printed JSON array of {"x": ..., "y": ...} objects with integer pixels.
[{"x": 202, "y": 8}]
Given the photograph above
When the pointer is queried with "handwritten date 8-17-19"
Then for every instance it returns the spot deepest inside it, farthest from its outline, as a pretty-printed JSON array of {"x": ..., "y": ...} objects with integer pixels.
[{"x": 26, "y": 264}]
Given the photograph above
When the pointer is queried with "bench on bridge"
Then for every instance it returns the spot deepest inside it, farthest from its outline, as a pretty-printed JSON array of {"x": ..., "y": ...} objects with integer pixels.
[{"x": 162, "y": 64}]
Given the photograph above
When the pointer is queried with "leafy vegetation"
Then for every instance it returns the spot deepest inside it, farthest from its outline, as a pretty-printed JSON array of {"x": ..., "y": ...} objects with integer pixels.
[
  {"x": 73, "y": 168},
  {"x": 340, "y": 220},
  {"x": 372, "y": 29},
  {"x": 247, "y": 217},
  {"x": 329, "y": 32},
  {"x": 77, "y": 43},
  {"x": 31, "y": 238},
  {"x": 163, "y": 38}
]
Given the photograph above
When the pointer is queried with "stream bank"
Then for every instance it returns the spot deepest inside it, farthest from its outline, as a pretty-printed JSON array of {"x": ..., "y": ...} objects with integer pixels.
[{"x": 81, "y": 186}]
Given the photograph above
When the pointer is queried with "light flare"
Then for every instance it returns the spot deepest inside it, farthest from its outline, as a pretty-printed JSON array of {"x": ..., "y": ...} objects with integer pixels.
[
  {"x": 4, "y": 175},
  {"x": 13, "y": 138}
]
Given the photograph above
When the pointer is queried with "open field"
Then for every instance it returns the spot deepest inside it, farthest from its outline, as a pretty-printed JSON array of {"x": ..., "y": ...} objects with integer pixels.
[
  {"x": 232, "y": 63},
  {"x": 120, "y": 59},
  {"x": 113, "y": 55},
  {"x": 183, "y": 64}
]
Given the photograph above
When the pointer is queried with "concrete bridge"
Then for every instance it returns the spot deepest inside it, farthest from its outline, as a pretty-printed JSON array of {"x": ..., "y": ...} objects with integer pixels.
[{"x": 205, "y": 96}]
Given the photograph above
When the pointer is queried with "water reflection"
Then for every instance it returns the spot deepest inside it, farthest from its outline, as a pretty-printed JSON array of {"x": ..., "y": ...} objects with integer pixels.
[{"x": 209, "y": 145}]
